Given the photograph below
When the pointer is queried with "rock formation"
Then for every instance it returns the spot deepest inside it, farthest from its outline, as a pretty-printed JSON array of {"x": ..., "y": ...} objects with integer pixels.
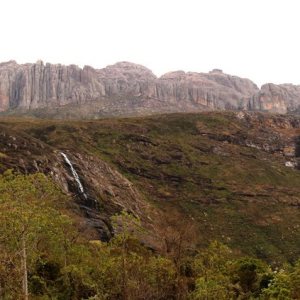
[
  {"x": 127, "y": 88},
  {"x": 215, "y": 90},
  {"x": 281, "y": 98}
]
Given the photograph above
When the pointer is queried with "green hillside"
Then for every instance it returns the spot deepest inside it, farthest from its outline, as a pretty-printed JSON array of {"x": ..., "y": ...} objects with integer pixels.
[{"x": 225, "y": 173}]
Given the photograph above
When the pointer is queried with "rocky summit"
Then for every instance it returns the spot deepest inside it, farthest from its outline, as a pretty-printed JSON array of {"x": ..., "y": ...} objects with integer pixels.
[{"x": 58, "y": 91}]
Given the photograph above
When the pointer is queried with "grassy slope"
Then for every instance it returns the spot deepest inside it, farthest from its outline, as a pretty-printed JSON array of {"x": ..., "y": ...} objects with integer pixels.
[{"x": 242, "y": 196}]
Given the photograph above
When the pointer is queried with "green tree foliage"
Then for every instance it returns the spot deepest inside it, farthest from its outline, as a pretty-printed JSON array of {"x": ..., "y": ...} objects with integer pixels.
[
  {"x": 212, "y": 273},
  {"x": 29, "y": 225},
  {"x": 249, "y": 277},
  {"x": 126, "y": 269},
  {"x": 44, "y": 256},
  {"x": 279, "y": 287},
  {"x": 295, "y": 281}
]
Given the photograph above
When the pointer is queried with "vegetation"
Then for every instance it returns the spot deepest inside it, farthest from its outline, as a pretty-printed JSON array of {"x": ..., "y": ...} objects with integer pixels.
[
  {"x": 44, "y": 256},
  {"x": 227, "y": 214},
  {"x": 195, "y": 165}
]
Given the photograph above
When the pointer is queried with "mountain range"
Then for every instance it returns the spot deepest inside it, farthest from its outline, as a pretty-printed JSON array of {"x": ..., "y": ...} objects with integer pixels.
[
  {"x": 58, "y": 91},
  {"x": 234, "y": 173}
]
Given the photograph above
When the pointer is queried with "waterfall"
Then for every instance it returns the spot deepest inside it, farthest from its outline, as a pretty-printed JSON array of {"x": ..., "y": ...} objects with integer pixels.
[{"x": 74, "y": 173}]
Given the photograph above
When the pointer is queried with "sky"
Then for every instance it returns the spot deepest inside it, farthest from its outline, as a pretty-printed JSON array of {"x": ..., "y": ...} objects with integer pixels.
[{"x": 256, "y": 39}]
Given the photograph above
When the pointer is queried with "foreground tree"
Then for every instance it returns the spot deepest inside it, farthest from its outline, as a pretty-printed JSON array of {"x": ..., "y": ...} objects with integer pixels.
[
  {"x": 126, "y": 269},
  {"x": 179, "y": 237},
  {"x": 211, "y": 268},
  {"x": 280, "y": 287},
  {"x": 249, "y": 276},
  {"x": 43, "y": 255},
  {"x": 30, "y": 222}
]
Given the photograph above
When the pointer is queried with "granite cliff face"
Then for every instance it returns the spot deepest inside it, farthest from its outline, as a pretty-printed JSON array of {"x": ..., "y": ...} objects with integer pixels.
[
  {"x": 281, "y": 98},
  {"x": 127, "y": 88},
  {"x": 32, "y": 86},
  {"x": 215, "y": 90}
]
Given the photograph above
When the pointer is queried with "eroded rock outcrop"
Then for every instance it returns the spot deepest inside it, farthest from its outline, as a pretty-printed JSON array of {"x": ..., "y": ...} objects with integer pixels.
[
  {"x": 39, "y": 85},
  {"x": 281, "y": 98},
  {"x": 130, "y": 89},
  {"x": 214, "y": 91}
]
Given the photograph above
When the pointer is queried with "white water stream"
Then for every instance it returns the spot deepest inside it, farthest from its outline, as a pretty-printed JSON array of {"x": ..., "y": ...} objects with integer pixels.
[{"x": 74, "y": 173}]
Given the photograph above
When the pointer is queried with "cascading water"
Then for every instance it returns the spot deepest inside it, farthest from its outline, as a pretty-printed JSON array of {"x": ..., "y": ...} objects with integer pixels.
[
  {"x": 75, "y": 175},
  {"x": 89, "y": 205}
]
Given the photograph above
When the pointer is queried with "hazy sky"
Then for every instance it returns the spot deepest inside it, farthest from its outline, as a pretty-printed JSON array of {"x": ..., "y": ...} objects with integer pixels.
[{"x": 258, "y": 39}]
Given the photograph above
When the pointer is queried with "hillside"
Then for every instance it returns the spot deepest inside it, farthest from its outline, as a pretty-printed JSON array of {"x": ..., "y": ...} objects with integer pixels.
[{"x": 234, "y": 175}]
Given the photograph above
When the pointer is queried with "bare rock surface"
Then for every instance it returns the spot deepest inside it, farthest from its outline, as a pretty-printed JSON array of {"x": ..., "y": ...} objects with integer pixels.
[
  {"x": 274, "y": 98},
  {"x": 130, "y": 89}
]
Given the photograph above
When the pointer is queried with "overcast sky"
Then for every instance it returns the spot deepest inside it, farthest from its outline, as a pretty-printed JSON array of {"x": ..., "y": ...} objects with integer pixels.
[{"x": 258, "y": 39}]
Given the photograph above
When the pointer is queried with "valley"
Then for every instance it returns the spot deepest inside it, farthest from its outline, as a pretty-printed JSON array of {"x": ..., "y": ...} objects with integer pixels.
[{"x": 233, "y": 175}]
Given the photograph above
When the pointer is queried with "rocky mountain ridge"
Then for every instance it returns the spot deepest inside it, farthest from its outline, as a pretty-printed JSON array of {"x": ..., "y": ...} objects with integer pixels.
[{"x": 130, "y": 89}]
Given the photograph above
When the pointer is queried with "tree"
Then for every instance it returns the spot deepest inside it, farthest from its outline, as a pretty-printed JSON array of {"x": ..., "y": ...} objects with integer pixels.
[
  {"x": 125, "y": 225},
  {"x": 280, "y": 287},
  {"x": 178, "y": 234},
  {"x": 295, "y": 281},
  {"x": 29, "y": 221},
  {"x": 126, "y": 269},
  {"x": 248, "y": 274},
  {"x": 211, "y": 271}
]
